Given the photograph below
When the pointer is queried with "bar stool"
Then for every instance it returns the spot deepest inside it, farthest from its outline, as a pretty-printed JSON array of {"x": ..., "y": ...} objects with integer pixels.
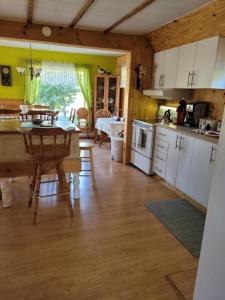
[
  {"x": 48, "y": 147},
  {"x": 88, "y": 158}
]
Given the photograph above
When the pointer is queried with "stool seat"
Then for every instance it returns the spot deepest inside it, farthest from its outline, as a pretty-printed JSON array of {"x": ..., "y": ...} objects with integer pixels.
[
  {"x": 86, "y": 145},
  {"x": 87, "y": 158}
]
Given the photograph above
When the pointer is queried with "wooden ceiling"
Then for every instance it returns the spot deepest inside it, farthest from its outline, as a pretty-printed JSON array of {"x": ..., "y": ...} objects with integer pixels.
[{"x": 125, "y": 16}]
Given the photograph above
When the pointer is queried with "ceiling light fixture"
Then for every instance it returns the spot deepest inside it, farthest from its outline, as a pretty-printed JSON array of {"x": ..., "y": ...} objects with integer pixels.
[{"x": 32, "y": 71}]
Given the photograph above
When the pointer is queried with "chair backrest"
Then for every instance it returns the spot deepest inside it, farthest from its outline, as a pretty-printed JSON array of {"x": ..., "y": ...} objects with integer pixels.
[
  {"x": 82, "y": 113},
  {"x": 47, "y": 143},
  {"x": 6, "y": 113},
  {"x": 72, "y": 114},
  {"x": 39, "y": 114},
  {"x": 103, "y": 113}
]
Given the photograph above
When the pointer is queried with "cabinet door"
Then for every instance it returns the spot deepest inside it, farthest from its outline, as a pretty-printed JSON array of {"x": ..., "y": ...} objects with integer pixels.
[
  {"x": 159, "y": 60},
  {"x": 205, "y": 62},
  {"x": 170, "y": 68},
  {"x": 201, "y": 171},
  {"x": 172, "y": 158},
  {"x": 185, "y": 65},
  {"x": 184, "y": 162}
]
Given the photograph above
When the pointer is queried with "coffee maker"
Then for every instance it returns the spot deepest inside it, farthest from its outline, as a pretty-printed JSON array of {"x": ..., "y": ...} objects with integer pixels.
[{"x": 195, "y": 111}]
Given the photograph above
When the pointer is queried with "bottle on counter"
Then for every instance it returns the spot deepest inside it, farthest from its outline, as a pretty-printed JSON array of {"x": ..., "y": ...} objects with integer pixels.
[{"x": 181, "y": 112}]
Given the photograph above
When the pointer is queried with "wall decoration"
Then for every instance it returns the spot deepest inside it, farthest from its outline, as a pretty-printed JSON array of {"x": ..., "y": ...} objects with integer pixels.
[
  {"x": 140, "y": 73},
  {"x": 6, "y": 75}
]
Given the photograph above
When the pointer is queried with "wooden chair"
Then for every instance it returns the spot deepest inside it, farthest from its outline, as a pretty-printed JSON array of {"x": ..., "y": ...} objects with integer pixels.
[
  {"x": 40, "y": 107},
  {"x": 48, "y": 147},
  {"x": 9, "y": 113},
  {"x": 87, "y": 158},
  {"x": 102, "y": 136},
  {"x": 82, "y": 118},
  {"x": 72, "y": 114}
]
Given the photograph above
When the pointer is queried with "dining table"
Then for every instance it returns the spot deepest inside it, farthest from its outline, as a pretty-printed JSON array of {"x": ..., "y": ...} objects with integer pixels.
[
  {"x": 110, "y": 126},
  {"x": 15, "y": 162}
]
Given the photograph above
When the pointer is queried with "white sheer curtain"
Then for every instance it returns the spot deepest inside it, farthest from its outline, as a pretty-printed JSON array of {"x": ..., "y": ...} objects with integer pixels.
[{"x": 58, "y": 73}]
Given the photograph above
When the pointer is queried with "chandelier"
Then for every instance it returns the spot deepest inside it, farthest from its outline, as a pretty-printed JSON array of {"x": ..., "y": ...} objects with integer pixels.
[{"x": 31, "y": 70}]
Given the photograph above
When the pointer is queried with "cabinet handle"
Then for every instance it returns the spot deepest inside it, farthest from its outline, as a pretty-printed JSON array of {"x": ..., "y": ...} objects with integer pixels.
[
  {"x": 181, "y": 139},
  {"x": 160, "y": 79},
  {"x": 163, "y": 80},
  {"x": 176, "y": 142},
  {"x": 188, "y": 82},
  {"x": 192, "y": 78},
  {"x": 211, "y": 160}
]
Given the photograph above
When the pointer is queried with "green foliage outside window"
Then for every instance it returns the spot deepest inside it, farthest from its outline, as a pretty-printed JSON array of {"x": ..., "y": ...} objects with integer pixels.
[{"x": 58, "y": 97}]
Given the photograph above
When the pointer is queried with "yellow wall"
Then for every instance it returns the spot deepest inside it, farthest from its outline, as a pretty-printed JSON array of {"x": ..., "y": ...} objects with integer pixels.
[{"x": 15, "y": 57}]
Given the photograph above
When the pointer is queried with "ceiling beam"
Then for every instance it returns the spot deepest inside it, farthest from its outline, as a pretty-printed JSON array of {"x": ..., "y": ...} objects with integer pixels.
[
  {"x": 82, "y": 11},
  {"x": 129, "y": 15},
  {"x": 30, "y": 11}
]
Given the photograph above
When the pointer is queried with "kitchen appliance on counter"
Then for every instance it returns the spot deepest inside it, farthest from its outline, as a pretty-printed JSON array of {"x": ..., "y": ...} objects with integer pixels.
[
  {"x": 167, "y": 112},
  {"x": 142, "y": 144},
  {"x": 195, "y": 111}
]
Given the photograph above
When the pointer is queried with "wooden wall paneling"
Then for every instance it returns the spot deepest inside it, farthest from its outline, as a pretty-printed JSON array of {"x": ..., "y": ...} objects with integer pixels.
[{"x": 216, "y": 99}]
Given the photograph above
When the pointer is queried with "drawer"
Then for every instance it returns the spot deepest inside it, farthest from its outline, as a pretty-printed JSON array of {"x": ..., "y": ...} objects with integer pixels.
[
  {"x": 162, "y": 134},
  {"x": 161, "y": 146},
  {"x": 159, "y": 169},
  {"x": 160, "y": 157}
]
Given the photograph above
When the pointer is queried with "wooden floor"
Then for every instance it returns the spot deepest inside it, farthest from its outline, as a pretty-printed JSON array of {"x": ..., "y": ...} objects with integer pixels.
[{"x": 114, "y": 248}]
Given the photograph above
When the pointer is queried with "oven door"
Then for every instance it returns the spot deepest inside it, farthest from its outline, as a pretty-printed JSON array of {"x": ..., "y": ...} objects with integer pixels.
[{"x": 142, "y": 139}]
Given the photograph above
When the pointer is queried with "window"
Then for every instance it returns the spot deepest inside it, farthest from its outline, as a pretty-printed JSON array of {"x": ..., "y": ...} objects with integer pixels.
[{"x": 59, "y": 88}]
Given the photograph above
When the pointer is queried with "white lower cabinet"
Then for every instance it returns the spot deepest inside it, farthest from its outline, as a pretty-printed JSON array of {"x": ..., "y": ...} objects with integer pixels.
[
  {"x": 201, "y": 170},
  {"x": 185, "y": 162},
  {"x": 172, "y": 158}
]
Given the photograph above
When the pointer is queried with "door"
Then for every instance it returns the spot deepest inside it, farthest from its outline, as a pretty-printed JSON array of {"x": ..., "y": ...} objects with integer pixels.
[
  {"x": 185, "y": 148},
  {"x": 170, "y": 68},
  {"x": 185, "y": 65},
  {"x": 201, "y": 171},
  {"x": 100, "y": 91},
  {"x": 158, "y": 69},
  {"x": 172, "y": 158},
  {"x": 205, "y": 62}
]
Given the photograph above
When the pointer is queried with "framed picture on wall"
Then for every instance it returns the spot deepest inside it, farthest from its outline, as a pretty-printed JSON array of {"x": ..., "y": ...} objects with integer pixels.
[{"x": 5, "y": 75}]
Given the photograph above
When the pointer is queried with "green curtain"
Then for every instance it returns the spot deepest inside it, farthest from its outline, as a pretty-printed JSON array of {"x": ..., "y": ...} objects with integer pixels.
[
  {"x": 31, "y": 86},
  {"x": 83, "y": 75}
]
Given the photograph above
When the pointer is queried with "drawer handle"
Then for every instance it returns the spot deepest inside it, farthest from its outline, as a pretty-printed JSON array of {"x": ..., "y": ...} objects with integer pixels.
[
  {"x": 162, "y": 134},
  {"x": 162, "y": 147},
  {"x": 160, "y": 171},
  {"x": 160, "y": 158}
]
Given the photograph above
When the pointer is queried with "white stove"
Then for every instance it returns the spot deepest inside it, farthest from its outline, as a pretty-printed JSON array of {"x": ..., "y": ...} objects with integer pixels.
[{"x": 142, "y": 144}]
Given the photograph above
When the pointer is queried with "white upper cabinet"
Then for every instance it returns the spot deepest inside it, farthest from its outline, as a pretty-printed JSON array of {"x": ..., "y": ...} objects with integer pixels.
[
  {"x": 205, "y": 62},
  {"x": 185, "y": 65},
  {"x": 165, "y": 68},
  {"x": 159, "y": 62},
  {"x": 197, "y": 65},
  {"x": 170, "y": 68}
]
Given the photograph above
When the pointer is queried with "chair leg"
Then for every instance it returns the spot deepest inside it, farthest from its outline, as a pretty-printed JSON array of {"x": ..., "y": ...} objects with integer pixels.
[
  {"x": 33, "y": 185},
  {"x": 92, "y": 169},
  {"x": 36, "y": 193},
  {"x": 62, "y": 179}
]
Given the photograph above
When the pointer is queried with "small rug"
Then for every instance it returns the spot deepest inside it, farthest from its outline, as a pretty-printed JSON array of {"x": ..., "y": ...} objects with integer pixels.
[{"x": 183, "y": 220}]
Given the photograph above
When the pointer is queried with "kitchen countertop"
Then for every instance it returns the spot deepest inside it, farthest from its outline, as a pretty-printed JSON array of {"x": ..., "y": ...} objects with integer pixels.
[{"x": 188, "y": 131}]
